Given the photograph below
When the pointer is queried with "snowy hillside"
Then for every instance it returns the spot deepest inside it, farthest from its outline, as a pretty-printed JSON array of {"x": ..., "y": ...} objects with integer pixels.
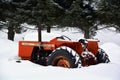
[{"x": 26, "y": 70}]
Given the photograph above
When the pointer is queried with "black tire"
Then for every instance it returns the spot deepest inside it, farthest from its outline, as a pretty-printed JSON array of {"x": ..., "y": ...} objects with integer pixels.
[
  {"x": 35, "y": 57},
  {"x": 67, "y": 54},
  {"x": 35, "y": 54},
  {"x": 102, "y": 57}
]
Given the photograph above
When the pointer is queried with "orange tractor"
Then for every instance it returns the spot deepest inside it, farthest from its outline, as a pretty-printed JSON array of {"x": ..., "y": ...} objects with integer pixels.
[{"x": 61, "y": 52}]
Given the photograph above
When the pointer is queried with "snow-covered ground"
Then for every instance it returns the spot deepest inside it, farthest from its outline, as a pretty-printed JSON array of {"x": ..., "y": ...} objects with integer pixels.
[{"x": 26, "y": 70}]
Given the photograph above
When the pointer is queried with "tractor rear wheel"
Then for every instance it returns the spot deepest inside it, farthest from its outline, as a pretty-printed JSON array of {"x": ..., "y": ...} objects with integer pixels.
[
  {"x": 102, "y": 57},
  {"x": 64, "y": 57}
]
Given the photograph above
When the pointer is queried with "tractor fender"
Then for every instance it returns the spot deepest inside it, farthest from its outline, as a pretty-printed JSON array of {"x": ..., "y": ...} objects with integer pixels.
[{"x": 92, "y": 46}]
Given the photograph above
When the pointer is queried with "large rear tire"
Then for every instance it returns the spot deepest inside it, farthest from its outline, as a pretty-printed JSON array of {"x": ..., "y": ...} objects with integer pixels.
[
  {"x": 102, "y": 57},
  {"x": 64, "y": 57}
]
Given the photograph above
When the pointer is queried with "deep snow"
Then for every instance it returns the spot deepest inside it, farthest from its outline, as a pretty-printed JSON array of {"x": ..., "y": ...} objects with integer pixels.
[{"x": 26, "y": 70}]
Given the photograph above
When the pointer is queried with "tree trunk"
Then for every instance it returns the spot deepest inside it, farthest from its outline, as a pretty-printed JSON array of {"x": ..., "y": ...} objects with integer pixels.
[
  {"x": 86, "y": 34},
  {"x": 48, "y": 29},
  {"x": 11, "y": 33}
]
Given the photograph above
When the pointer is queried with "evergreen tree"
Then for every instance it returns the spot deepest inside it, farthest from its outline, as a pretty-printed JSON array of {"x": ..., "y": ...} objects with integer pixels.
[
  {"x": 109, "y": 13},
  {"x": 64, "y": 3},
  {"x": 81, "y": 14},
  {"x": 87, "y": 15},
  {"x": 10, "y": 15},
  {"x": 34, "y": 12},
  {"x": 40, "y": 11}
]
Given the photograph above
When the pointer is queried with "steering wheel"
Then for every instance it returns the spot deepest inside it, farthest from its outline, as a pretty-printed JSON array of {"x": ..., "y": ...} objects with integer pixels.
[
  {"x": 66, "y": 37},
  {"x": 63, "y": 37}
]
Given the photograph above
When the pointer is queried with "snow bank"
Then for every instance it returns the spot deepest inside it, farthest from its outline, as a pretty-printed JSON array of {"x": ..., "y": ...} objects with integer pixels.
[
  {"x": 113, "y": 51},
  {"x": 7, "y": 48},
  {"x": 26, "y": 70},
  {"x": 110, "y": 35}
]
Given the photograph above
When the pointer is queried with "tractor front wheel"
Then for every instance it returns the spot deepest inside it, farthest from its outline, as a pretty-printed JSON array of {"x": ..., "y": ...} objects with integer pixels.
[
  {"x": 64, "y": 57},
  {"x": 102, "y": 57}
]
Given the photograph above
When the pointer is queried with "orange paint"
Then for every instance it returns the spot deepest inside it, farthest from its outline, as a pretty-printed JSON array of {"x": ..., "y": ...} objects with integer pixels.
[
  {"x": 93, "y": 47},
  {"x": 26, "y": 48}
]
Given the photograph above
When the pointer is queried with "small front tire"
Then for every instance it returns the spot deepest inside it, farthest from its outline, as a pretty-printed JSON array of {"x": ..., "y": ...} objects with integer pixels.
[{"x": 102, "y": 57}]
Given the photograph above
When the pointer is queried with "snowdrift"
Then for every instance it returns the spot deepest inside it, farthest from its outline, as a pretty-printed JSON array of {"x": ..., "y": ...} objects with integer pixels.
[{"x": 26, "y": 70}]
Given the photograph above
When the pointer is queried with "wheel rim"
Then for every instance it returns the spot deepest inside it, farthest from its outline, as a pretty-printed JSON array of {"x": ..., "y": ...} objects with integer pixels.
[{"x": 61, "y": 61}]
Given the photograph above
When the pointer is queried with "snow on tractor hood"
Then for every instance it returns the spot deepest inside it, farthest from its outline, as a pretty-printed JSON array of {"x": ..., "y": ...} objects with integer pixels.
[{"x": 45, "y": 36}]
